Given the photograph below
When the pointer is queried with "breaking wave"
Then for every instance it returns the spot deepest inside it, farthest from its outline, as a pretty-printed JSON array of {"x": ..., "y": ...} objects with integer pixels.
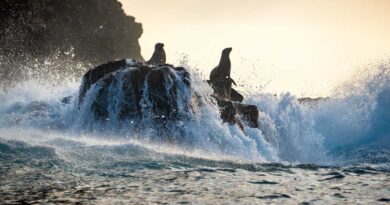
[{"x": 351, "y": 126}]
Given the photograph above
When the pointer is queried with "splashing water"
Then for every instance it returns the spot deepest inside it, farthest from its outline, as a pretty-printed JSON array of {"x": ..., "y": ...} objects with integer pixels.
[
  {"x": 337, "y": 131},
  {"x": 53, "y": 150}
]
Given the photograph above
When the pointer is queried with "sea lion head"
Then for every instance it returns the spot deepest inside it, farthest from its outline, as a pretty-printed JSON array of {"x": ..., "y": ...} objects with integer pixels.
[
  {"x": 159, "y": 46},
  {"x": 227, "y": 51}
]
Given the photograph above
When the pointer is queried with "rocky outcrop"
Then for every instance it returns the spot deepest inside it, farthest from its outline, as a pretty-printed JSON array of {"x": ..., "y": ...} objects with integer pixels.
[
  {"x": 127, "y": 89},
  {"x": 235, "y": 112},
  {"x": 95, "y": 31},
  {"x": 139, "y": 91}
]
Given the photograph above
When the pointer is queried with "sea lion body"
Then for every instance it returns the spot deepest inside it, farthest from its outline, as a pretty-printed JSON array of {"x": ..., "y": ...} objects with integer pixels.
[
  {"x": 158, "y": 57},
  {"x": 224, "y": 67},
  {"x": 220, "y": 76}
]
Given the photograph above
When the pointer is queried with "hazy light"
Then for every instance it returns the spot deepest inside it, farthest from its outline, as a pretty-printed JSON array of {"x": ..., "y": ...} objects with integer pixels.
[{"x": 304, "y": 47}]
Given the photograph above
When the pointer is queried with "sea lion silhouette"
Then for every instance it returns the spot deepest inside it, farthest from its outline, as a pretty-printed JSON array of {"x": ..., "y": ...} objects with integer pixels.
[
  {"x": 158, "y": 56},
  {"x": 220, "y": 76}
]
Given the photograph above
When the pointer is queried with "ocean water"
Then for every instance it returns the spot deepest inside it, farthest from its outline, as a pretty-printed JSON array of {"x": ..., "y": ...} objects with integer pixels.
[{"x": 333, "y": 151}]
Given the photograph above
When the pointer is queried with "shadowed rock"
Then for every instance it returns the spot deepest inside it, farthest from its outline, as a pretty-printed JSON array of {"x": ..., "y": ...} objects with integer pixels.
[
  {"x": 98, "y": 72},
  {"x": 138, "y": 90},
  {"x": 249, "y": 114},
  {"x": 236, "y": 96},
  {"x": 97, "y": 30},
  {"x": 63, "y": 31},
  {"x": 127, "y": 89}
]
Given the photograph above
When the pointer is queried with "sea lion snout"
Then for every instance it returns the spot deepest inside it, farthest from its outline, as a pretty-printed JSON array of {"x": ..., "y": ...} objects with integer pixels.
[{"x": 227, "y": 50}]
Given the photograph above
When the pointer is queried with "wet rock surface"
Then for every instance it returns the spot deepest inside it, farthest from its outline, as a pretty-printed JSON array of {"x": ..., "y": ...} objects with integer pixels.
[{"x": 164, "y": 89}]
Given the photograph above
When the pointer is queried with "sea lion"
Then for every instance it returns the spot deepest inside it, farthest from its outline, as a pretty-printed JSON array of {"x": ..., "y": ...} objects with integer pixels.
[
  {"x": 220, "y": 76},
  {"x": 158, "y": 56},
  {"x": 224, "y": 67}
]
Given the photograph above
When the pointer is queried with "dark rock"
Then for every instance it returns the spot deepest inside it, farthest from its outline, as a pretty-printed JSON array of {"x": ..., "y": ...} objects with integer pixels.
[
  {"x": 236, "y": 96},
  {"x": 228, "y": 111},
  {"x": 235, "y": 113},
  {"x": 127, "y": 89},
  {"x": 98, "y": 72},
  {"x": 98, "y": 30},
  {"x": 95, "y": 31},
  {"x": 143, "y": 90},
  {"x": 249, "y": 114},
  {"x": 162, "y": 91},
  {"x": 164, "y": 85}
]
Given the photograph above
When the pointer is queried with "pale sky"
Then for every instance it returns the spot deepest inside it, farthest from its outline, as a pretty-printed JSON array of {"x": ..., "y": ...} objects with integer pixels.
[{"x": 302, "y": 46}]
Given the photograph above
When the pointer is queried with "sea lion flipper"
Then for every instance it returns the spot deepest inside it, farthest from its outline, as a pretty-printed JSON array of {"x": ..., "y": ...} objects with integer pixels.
[{"x": 231, "y": 79}]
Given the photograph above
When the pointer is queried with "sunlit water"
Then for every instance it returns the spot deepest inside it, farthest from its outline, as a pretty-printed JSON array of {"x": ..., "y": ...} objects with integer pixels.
[{"x": 334, "y": 151}]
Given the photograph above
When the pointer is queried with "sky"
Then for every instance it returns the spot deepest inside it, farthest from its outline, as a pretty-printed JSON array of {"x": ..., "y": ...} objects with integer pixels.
[{"x": 305, "y": 47}]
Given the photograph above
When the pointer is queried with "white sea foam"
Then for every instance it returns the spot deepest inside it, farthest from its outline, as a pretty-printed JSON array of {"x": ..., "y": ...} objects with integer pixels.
[{"x": 292, "y": 132}]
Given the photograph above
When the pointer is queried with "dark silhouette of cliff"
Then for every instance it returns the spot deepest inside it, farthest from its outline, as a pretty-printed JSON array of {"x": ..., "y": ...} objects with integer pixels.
[{"x": 97, "y": 30}]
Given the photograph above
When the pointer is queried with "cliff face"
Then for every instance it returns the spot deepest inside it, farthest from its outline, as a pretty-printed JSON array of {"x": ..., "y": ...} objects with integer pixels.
[{"x": 96, "y": 31}]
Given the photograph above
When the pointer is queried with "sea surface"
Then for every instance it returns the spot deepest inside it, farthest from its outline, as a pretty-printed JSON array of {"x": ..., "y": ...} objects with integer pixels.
[{"x": 329, "y": 151}]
